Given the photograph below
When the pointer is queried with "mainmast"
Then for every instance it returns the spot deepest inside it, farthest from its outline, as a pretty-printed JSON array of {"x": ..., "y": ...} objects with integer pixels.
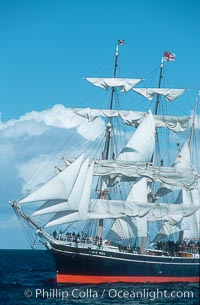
[
  {"x": 159, "y": 85},
  {"x": 158, "y": 99},
  {"x": 144, "y": 239},
  {"x": 105, "y": 153}
]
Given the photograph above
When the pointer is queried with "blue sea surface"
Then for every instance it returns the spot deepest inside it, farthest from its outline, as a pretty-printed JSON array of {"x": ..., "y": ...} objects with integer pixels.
[{"x": 28, "y": 277}]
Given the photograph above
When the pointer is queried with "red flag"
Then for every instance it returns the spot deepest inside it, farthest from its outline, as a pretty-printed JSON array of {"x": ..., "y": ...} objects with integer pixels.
[
  {"x": 121, "y": 42},
  {"x": 168, "y": 56}
]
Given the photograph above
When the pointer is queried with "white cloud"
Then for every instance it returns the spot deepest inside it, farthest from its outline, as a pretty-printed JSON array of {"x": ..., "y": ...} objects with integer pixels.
[
  {"x": 33, "y": 145},
  {"x": 35, "y": 123}
]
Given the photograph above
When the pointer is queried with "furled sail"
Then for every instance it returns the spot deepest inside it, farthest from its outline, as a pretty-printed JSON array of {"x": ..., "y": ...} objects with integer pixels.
[
  {"x": 134, "y": 118},
  {"x": 172, "y": 213},
  {"x": 169, "y": 94},
  {"x": 63, "y": 217},
  {"x": 173, "y": 178},
  {"x": 102, "y": 208},
  {"x": 106, "y": 209},
  {"x": 59, "y": 187},
  {"x": 125, "y": 84}
]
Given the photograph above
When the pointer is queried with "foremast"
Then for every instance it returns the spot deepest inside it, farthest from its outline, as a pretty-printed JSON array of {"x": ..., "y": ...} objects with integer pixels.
[{"x": 106, "y": 150}]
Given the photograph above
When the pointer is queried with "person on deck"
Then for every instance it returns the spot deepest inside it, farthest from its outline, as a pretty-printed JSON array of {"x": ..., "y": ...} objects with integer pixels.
[{"x": 54, "y": 234}]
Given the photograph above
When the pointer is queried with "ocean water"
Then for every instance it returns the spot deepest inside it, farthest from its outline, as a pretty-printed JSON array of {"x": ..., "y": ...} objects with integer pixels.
[{"x": 28, "y": 277}]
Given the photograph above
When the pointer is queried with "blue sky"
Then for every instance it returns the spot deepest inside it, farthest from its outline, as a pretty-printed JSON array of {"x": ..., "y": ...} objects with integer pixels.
[{"x": 47, "y": 47}]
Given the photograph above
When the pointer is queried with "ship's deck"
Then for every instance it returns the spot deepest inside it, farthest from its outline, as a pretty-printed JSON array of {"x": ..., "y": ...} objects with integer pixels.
[{"x": 104, "y": 246}]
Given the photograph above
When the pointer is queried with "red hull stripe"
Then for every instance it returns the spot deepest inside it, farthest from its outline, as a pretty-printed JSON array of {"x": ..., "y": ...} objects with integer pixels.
[{"x": 90, "y": 279}]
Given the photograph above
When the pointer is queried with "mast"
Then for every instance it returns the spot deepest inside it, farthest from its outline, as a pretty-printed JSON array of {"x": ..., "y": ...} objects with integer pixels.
[
  {"x": 158, "y": 98},
  {"x": 193, "y": 124},
  {"x": 109, "y": 125},
  {"x": 159, "y": 85},
  {"x": 144, "y": 239},
  {"x": 181, "y": 233},
  {"x": 105, "y": 153}
]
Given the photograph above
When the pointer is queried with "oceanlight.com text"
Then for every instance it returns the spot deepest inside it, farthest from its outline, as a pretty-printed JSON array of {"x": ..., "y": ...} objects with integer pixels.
[{"x": 111, "y": 293}]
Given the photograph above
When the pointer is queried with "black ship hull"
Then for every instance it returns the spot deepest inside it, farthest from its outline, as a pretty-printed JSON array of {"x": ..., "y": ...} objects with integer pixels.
[{"x": 88, "y": 265}]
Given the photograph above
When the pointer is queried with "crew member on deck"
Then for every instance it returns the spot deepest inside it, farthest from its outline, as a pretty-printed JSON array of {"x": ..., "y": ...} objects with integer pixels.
[{"x": 54, "y": 234}]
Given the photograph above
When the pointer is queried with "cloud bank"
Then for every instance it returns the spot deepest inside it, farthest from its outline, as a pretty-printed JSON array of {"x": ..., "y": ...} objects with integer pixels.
[
  {"x": 33, "y": 145},
  {"x": 36, "y": 123}
]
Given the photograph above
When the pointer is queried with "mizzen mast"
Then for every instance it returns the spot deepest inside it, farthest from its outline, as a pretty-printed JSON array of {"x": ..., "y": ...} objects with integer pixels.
[
  {"x": 191, "y": 139},
  {"x": 193, "y": 123}
]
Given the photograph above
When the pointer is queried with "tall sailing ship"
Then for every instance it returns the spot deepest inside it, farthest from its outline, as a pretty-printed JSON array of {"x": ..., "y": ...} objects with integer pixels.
[{"x": 136, "y": 212}]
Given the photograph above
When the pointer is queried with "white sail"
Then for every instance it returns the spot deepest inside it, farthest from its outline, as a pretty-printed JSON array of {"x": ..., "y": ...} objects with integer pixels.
[
  {"x": 191, "y": 225},
  {"x": 183, "y": 158},
  {"x": 139, "y": 193},
  {"x": 167, "y": 230},
  {"x": 125, "y": 84},
  {"x": 139, "y": 151},
  {"x": 174, "y": 123},
  {"x": 122, "y": 228},
  {"x": 58, "y": 187},
  {"x": 140, "y": 147},
  {"x": 72, "y": 204},
  {"x": 81, "y": 185},
  {"x": 173, "y": 213},
  {"x": 64, "y": 217},
  {"x": 106, "y": 209},
  {"x": 173, "y": 178},
  {"x": 169, "y": 94},
  {"x": 134, "y": 118},
  {"x": 102, "y": 208},
  {"x": 51, "y": 206},
  {"x": 182, "y": 162}
]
